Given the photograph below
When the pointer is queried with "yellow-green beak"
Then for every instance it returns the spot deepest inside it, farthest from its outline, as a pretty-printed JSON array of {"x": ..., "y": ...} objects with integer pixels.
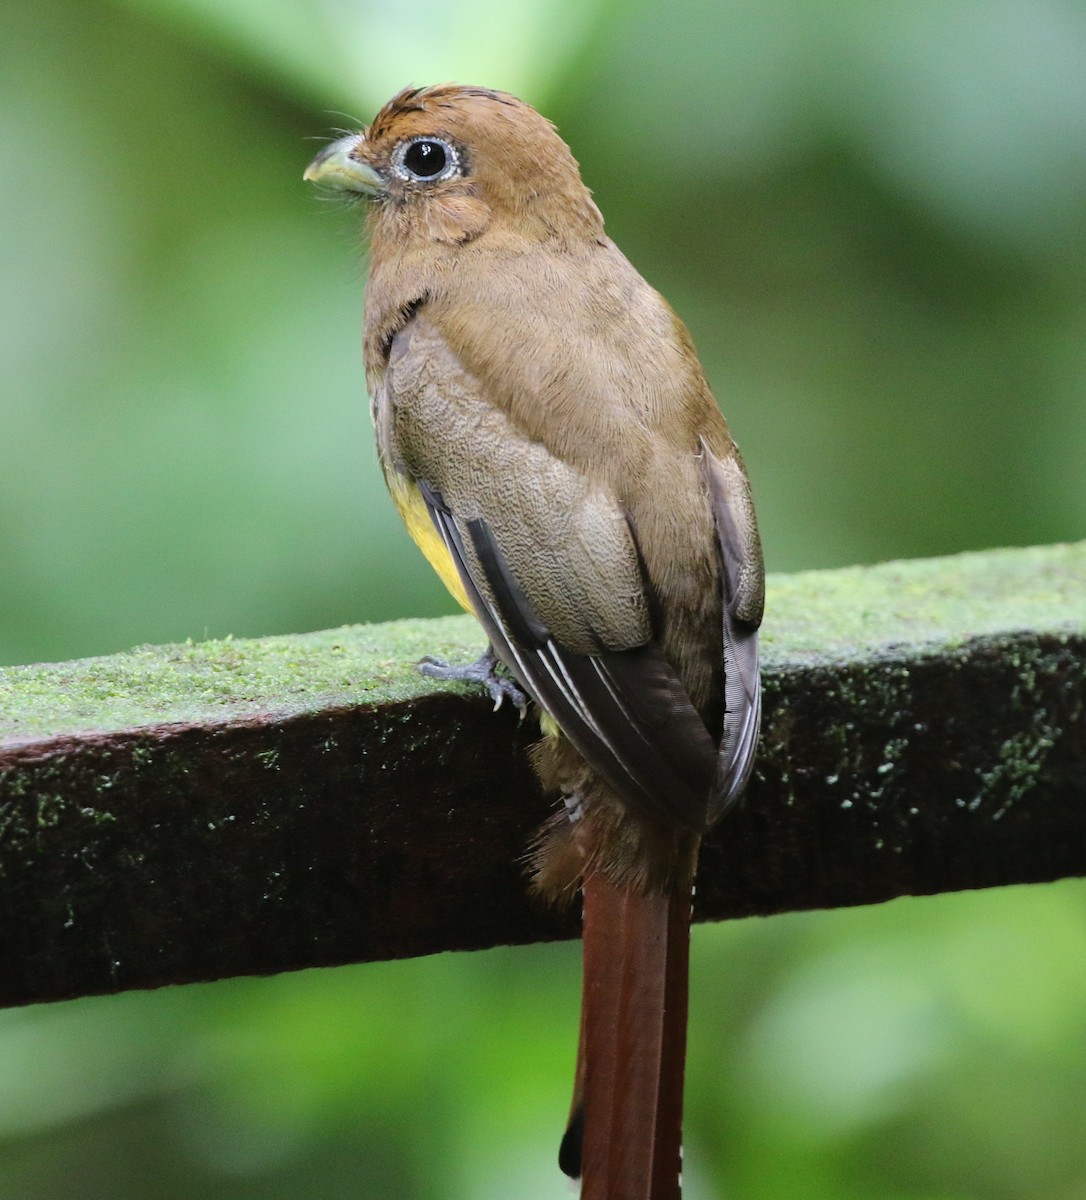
[{"x": 336, "y": 167}]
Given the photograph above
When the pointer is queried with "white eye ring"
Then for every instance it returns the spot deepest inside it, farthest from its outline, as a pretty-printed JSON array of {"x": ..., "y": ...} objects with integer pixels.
[{"x": 409, "y": 160}]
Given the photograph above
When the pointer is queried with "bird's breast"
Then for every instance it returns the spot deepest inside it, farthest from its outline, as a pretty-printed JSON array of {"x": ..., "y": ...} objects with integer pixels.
[{"x": 411, "y": 506}]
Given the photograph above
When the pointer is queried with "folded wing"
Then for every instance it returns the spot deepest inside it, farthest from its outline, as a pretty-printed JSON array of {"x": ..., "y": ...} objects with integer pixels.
[{"x": 552, "y": 570}]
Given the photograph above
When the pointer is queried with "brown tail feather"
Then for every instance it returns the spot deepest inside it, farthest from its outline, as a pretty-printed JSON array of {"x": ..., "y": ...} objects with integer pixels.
[{"x": 625, "y": 1133}]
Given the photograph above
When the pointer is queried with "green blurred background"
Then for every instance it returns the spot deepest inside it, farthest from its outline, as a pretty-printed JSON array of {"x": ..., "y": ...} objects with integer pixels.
[{"x": 870, "y": 215}]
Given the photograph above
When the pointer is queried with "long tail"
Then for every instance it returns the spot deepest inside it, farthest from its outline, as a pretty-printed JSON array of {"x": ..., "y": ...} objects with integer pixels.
[{"x": 624, "y": 1138}]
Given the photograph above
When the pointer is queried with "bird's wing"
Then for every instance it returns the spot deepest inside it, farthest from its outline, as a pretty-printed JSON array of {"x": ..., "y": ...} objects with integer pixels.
[
  {"x": 552, "y": 570},
  {"x": 733, "y": 510}
]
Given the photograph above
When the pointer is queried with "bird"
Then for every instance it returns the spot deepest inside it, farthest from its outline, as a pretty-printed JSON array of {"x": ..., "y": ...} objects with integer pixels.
[{"x": 549, "y": 437}]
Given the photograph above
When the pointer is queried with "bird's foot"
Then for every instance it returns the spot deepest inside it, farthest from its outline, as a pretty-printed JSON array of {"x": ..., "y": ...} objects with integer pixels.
[{"x": 485, "y": 671}]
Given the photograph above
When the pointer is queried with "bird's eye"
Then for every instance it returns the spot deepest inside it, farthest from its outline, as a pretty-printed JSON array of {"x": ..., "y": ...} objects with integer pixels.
[{"x": 425, "y": 160}]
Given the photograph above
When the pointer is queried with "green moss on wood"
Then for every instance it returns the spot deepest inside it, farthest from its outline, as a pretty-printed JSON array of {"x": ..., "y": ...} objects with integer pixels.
[
  {"x": 922, "y": 605},
  {"x": 817, "y": 617},
  {"x": 190, "y": 812},
  {"x": 229, "y": 679}
]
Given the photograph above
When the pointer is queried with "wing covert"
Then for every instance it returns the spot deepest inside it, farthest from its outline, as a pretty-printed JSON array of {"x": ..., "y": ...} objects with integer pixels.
[{"x": 532, "y": 540}]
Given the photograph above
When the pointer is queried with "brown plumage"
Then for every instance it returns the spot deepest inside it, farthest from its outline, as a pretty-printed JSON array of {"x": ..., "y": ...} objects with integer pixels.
[{"x": 547, "y": 432}]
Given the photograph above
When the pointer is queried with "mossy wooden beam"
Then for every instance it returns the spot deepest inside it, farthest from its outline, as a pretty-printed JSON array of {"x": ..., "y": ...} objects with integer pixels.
[{"x": 235, "y": 807}]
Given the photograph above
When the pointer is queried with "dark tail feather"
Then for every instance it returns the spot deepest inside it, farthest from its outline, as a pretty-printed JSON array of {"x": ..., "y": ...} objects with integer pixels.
[{"x": 625, "y": 1131}]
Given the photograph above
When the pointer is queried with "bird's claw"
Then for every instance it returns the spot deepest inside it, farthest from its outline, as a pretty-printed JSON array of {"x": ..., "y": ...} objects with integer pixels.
[{"x": 485, "y": 671}]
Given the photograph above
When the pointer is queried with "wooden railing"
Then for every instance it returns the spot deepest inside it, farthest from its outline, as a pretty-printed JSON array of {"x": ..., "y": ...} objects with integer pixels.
[{"x": 194, "y": 812}]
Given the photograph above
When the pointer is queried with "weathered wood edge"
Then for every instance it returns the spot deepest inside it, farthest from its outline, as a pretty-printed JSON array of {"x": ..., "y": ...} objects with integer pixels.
[{"x": 939, "y": 744}]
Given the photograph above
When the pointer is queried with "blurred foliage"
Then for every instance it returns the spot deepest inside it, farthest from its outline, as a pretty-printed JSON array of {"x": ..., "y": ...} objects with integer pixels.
[{"x": 870, "y": 215}]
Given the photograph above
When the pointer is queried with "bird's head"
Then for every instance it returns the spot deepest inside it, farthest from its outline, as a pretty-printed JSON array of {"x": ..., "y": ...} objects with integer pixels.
[{"x": 447, "y": 163}]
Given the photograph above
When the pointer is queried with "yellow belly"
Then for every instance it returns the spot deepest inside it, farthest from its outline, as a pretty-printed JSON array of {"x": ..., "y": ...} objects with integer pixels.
[{"x": 412, "y": 508}]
